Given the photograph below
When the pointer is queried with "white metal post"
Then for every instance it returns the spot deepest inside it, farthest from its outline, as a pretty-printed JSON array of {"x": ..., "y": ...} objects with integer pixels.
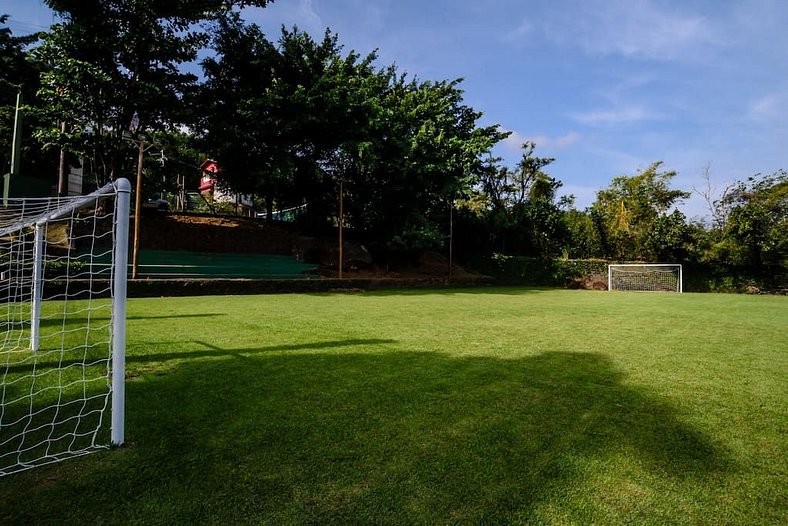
[
  {"x": 681, "y": 279},
  {"x": 38, "y": 273},
  {"x": 120, "y": 270},
  {"x": 609, "y": 278}
]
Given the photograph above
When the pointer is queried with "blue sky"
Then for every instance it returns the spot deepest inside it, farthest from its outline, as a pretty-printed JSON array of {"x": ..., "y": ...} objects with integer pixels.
[{"x": 604, "y": 86}]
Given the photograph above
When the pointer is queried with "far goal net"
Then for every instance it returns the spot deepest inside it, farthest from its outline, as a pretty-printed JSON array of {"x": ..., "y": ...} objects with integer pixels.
[
  {"x": 63, "y": 265},
  {"x": 645, "y": 277}
]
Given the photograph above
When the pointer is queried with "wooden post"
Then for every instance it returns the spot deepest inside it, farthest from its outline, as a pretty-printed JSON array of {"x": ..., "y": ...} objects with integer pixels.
[
  {"x": 137, "y": 212},
  {"x": 341, "y": 219},
  {"x": 451, "y": 236},
  {"x": 62, "y": 178}
]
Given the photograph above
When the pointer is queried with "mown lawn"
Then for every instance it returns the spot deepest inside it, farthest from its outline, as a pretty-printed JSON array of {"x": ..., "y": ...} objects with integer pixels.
[{"x": 477, "y": 406}]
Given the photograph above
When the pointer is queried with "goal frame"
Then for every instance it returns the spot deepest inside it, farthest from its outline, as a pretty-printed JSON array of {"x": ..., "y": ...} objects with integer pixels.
[
  {"x": 120, "y": 191},
  {"x": 612, "y": 266}
]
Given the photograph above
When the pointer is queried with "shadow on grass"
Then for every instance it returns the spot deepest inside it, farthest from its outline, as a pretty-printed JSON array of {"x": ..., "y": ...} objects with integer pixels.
[
  {"x": 214, "y": 351},
  {"x": 211, "y": 352},
  {"x": 80, "y": 320},
  {"x": 377, "y": 437},
  {"x": 513, "y": 290}
]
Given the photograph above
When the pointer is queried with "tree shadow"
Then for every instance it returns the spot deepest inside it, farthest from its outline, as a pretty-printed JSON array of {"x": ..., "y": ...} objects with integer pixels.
[
  {"x": 207, "y": 351},
  {"x": 82, "y": 319},
  {"x": 375, "y": 437},
  {"x": 505, "y": 290}
]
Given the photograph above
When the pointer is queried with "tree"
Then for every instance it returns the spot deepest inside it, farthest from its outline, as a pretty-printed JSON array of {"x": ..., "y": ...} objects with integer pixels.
[
  {"x": 112, "y": 62},
  {"x": 756, "y": 230},
  {"x": 423, "y": 151},
  {"x": 582, "y": 236},
  {"x": 277, "y": 115},
  {"x": 523, "y": 214},
  {"x": 19, "y": 73},
  {"x": 289, "y": 120},
  {"x": 629, "y": 209},
  {"x": 669, "y": 238}
]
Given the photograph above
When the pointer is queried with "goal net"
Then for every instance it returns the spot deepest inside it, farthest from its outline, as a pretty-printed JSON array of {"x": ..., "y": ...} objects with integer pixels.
[
  {"x": 645, "y": 277},
  {"x": 63, "y": 268}
]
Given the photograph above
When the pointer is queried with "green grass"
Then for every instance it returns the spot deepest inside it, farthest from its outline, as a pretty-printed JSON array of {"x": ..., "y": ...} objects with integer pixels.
[{"x": 482, "y": 406}]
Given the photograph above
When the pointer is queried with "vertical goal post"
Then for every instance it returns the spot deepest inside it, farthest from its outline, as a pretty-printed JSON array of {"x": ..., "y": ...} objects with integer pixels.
[
  {"x": 646, "y": 277},
  {"x": 63, "y": 274}
]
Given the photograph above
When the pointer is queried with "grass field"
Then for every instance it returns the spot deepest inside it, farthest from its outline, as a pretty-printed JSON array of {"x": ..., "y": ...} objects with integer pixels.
[{"x": 478, "y": 406}]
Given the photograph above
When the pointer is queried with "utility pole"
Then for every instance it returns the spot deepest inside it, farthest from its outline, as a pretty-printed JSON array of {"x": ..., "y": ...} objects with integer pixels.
[
  {"x": 341, "y": 220},
  {"x": 16, "y": 149},
  {"x": 451, "y": 236},
  {"x": 138, "y": 206},
  {"x": 62, "y": 178}
]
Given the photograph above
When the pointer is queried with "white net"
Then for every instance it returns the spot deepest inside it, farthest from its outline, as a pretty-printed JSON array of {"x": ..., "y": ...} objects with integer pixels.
[
  {"x": 56, "y": 327},
  {"x": 647, "y": 277}
]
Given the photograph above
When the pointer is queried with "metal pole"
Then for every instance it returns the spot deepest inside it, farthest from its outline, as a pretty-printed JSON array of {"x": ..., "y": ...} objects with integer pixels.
[
  {"x": 451, "y": 236},
  {"x": 121, "y": 258},
  {"x": 62, "y": 179},
  {"x": 16, "y": 149},
  {"x": 609, "y": 278},
  {"x": 38, "y": 273},
  {"x": 341, "y": 220},
  {"x": 681, "y": 279},
  {"x": 137, "y": 212}
]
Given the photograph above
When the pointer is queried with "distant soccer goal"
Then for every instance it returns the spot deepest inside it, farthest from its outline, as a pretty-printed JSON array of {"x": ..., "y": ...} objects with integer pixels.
[
  {"x": 63, "y": 265},
  {"x": 666, "y": 277}
]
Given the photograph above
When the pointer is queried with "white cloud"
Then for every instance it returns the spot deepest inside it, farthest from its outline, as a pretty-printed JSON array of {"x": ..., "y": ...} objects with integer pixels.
[
  {"x": 518, "y": 34},
  {"x": 585, "y": 195},
  {"x": 299, "y": 13},
  {"x": 515, "y": 141},
  {"x": 770, "y": 106},
  {"x": 619, "y": 115},
  {"x": 568, "y": 140},
  {"x": 637, "y": 29}
]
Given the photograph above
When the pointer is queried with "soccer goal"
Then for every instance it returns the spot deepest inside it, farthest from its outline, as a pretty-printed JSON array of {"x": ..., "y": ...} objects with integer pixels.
[
  {"x": 665, "y": 277},
  {"x": 63, "y": 266}
]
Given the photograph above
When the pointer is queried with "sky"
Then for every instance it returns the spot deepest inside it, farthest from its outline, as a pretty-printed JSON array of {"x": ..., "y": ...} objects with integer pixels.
[{"x": 606, "y": 87}]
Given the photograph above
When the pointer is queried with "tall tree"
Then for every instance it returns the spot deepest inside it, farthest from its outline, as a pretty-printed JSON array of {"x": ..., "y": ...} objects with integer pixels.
[
  {"x": 524, "y": 215},
  {"x": 19, "y": 73},
  {"x": 756, "y": 230},
  {"x": 277, "y": 113},
  {"x": 114, "y": 62},
  {"x": 290, "y": 120},
  {"x": 629, "y": 208}
]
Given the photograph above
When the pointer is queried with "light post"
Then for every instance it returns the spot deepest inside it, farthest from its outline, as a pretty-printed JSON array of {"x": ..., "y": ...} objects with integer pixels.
[
  {"x": 16, "y": 149},
  {"x": 341, "y": 221},
  {"x": 143, "y": 146}
]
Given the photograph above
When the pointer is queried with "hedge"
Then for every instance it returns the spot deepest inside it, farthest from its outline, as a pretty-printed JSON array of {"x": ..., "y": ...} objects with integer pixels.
[{"x": 592, "y": 273}]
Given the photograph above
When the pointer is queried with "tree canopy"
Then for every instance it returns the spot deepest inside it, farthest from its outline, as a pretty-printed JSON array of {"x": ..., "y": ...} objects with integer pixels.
[{"x": 293, "y": 119}]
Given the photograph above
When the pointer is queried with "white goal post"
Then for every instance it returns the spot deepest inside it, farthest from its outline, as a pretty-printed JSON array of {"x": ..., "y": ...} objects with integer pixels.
[
  {"x": 63, "y": 271},
  {"x": 652, "y": 277}
]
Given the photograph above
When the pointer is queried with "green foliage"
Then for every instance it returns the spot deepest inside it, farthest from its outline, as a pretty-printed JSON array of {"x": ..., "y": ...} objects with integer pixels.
[
  {"x": 19, "y": 73},
  {"x": 292, "y": 119},
  {"x": 541, "y": 271},
  {"x": 583, "y": 237},
  {"x": 756, "y": 231},
  {"x": 112, "y": 62},
  {"x": 289, "y": 121},
  {"x": 522, "y": 213},
  {"x": 630, "y": 209}
]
